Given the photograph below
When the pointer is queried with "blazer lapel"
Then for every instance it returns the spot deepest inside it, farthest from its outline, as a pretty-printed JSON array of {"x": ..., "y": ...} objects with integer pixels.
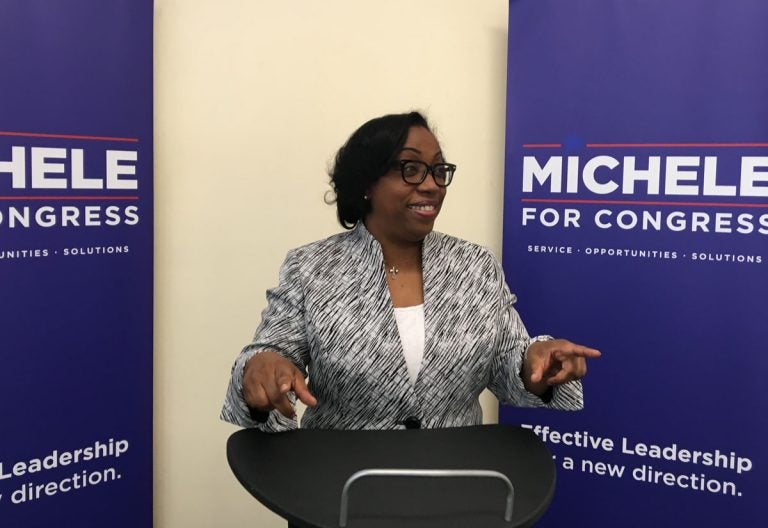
[
  {"x": 429, "y": 254},
  {"x": 375, "y": 292}
]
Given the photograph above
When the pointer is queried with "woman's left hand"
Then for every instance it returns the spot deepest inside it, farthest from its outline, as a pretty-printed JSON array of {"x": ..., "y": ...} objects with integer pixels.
[{"x": 554, "y": 362}]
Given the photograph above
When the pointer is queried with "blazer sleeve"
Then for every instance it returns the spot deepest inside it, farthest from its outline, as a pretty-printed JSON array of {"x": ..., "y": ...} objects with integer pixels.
[
  {"x": 510, "y": 346},
  {"x": 282, "y": 330}
]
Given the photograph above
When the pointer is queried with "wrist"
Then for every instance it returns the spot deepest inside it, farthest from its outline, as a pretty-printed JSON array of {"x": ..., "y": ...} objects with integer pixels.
[{"x": 539, "y": 388}]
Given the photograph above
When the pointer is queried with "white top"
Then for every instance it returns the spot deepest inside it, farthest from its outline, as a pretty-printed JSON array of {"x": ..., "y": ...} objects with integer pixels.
[{"x": 410, "y": 324}]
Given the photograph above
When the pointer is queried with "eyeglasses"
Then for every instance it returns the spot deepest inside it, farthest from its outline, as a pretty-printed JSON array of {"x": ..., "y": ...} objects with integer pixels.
[{"x": 415, "y": 172}]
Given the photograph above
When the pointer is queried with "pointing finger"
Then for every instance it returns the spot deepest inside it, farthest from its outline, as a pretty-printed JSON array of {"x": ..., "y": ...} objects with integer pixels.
[
  {"x": 302, "y": 391},
  {"x": 576, "y": 351}
]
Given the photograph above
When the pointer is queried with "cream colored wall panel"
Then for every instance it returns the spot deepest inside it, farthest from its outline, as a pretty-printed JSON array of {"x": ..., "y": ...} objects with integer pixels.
[{"x": 252, "y": 99}]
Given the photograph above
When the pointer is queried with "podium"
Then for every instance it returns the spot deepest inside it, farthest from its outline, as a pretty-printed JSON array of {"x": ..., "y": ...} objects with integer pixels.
[{"x": 467, "y": 477}]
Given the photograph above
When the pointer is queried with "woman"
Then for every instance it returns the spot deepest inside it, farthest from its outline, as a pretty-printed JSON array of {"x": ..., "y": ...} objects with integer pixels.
[{"x": 396, "y": 325}]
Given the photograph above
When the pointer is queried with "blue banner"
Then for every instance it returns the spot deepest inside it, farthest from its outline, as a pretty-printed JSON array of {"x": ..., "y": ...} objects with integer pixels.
[
  {"x": 636, "y": 222},
  {"x": 76, "y": 263}
]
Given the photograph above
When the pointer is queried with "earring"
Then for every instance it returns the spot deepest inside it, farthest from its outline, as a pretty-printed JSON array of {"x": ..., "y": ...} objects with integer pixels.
[{"x": 365, "y": 197}]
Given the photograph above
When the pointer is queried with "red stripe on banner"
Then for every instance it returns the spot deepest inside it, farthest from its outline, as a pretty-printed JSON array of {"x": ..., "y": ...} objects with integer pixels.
[
  {"x": 68, "y": 136},
  {"x": 69, "y": 198},
  {"x": 631, "y": 202},
  {"x": 673, "y": 145}
]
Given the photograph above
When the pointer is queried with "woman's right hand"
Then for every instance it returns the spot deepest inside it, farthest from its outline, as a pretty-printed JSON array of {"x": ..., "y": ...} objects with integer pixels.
[{"x": 267, "y": 379}]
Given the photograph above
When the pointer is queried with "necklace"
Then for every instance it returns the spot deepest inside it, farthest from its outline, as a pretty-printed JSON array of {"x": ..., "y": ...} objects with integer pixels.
[{"x": 393, "y": 271}]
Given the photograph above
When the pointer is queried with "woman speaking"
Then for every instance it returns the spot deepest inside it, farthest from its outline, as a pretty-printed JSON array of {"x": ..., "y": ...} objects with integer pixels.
[{"x": 394, "y": 324}]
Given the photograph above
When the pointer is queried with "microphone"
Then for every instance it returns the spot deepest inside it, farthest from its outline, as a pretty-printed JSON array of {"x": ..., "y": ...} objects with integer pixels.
[{"x": 412, "y": 422}]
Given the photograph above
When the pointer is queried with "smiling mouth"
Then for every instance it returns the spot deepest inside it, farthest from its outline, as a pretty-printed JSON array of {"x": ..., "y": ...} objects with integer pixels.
[{"x": 422, "y": 207}]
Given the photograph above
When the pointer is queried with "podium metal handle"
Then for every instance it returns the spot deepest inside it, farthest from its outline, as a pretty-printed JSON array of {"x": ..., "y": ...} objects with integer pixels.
[{"x": 430, "y": 473}]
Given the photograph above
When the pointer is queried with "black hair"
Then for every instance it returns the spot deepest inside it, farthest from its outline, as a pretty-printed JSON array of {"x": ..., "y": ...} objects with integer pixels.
[{"x": 368, "y": 155}]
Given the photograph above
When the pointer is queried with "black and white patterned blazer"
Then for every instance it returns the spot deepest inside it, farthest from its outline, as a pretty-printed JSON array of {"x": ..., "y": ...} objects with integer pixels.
[{"x": 333, "y": 317}]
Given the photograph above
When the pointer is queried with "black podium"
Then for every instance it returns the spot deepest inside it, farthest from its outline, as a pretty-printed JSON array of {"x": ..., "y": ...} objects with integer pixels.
[{"x": 470, "y": 477}]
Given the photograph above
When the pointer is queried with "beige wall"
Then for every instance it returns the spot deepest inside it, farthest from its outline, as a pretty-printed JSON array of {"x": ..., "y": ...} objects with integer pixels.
[{"x": 252, "y": 98}]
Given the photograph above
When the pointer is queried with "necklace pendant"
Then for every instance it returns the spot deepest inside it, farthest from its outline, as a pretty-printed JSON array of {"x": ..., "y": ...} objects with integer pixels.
[{"x": 393, "y": 271}]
